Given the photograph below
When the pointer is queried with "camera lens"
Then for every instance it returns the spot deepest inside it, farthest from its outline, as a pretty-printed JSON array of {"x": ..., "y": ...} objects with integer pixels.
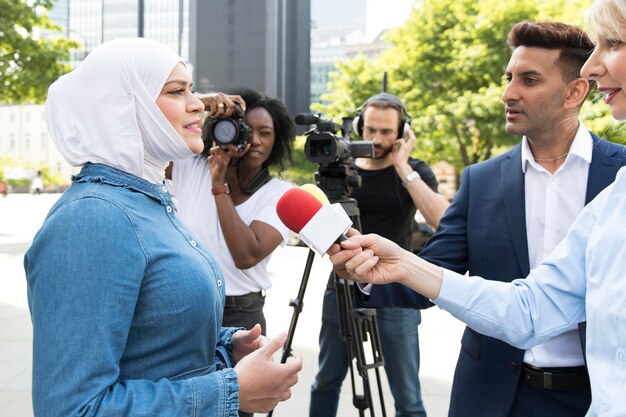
[{"x": 225, "y": 131}]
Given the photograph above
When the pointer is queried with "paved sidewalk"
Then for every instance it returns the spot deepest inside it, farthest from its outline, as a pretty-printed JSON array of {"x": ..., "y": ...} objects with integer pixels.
[{"x": 21, "y": 216}]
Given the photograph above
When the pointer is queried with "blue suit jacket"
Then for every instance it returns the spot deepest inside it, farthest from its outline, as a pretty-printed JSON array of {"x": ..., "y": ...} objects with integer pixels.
[{"x": 484, "y": 232}]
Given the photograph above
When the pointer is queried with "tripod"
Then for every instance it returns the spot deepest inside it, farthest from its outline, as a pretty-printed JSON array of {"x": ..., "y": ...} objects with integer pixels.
[{"x": 357, "y": 327}]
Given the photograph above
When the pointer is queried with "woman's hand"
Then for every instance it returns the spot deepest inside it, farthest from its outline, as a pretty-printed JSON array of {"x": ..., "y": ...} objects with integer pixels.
[
  {"x": 263, "y": 383},
  {"x": 368, "y": 258},
  {"x": 376, "y": 260},
  {"x": 247, "y": 341},
  {"x": 220, "y": 104},
  {"x": 221, "y": 158}
]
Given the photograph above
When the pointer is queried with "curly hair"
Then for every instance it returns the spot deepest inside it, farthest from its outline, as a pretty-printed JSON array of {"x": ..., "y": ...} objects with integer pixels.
[{"x": 284, "y": 128}]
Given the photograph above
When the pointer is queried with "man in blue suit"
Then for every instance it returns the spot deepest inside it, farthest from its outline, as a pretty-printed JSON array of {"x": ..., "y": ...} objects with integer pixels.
[{"x": 510, "y": 212}]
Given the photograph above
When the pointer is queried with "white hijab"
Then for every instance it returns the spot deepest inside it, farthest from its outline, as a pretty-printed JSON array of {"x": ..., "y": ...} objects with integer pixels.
[{"x": 105, "y": 110}]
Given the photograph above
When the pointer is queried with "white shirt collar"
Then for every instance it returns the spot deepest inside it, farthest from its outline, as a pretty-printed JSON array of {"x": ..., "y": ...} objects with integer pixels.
[{"x": 582, "y": 147}]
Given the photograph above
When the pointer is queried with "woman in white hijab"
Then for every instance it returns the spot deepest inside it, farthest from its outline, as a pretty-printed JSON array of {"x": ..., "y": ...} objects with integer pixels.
[{"x": 126, "y": 306}]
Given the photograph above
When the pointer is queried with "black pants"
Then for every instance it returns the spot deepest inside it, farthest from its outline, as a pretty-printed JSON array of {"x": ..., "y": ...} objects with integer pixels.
[
  {"x": 531, "y": 401},
  {"x": 245, "y": 311}
]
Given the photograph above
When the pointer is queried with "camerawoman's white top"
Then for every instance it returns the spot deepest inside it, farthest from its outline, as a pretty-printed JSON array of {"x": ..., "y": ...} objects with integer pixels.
[{"x": 191, "y": 185}]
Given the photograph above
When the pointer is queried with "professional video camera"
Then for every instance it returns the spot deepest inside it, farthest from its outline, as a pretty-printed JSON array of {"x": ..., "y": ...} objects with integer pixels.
[
  {"x": 336, "y": 175},
  {"x": 323, "y": 147},
  {"x": 230, "y": 130}
]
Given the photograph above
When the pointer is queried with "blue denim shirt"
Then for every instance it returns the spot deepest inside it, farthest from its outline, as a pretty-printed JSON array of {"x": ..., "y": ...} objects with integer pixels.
[{"x": 126, "y": 307}]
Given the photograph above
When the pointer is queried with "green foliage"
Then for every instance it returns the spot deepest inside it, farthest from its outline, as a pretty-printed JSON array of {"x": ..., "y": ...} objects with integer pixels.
[
  {"x": 299, "y": 170},
  {"x": 570, "y": 11},
  {"x": 447, "y": 64},
  {"x": 349, "y": 86},
  {"x": 49, "y": 179},
  {"x": 597, "y": 118},
  {"x": 29, "y": 65}
]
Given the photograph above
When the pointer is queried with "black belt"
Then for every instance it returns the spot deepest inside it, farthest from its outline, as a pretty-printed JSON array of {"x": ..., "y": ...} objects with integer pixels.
[
  {"x": 556, "y": 379},
  {"x": 243, "y": 300}
]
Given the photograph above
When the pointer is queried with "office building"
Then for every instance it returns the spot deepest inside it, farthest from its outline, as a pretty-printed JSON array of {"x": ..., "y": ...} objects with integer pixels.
[{"x": 260, "y": 44}]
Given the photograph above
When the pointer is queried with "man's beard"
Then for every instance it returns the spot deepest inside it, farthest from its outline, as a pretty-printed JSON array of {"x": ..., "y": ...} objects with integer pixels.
[{"x": 385, "y": 151}]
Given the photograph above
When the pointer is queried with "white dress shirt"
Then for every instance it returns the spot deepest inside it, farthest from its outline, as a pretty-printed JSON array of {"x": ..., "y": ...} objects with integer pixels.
[{"x": 552, "y": 203}]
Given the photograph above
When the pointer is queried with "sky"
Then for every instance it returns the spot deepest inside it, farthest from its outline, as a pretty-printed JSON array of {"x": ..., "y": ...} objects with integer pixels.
[{"x": 384, "y": 14}]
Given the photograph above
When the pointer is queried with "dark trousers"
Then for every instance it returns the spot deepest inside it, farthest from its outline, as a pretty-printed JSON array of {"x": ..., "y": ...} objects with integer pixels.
[
  {"x": 539, "y": 402},
  {"x": 245, "y": 311}
]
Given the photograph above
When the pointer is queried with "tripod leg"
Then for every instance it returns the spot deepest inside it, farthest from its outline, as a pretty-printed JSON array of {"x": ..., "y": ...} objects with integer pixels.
[
  {"x": 366, "y": 327},
  {"x": 297, "y": 304},
  {"x": 355, "y": 327}
]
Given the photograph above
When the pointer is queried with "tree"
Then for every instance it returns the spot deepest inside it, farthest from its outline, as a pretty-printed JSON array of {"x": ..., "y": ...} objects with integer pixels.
[
  {"x": 349, "y": 86},
  {"x": 29, "y": 64},
  {"x": 447, "y": 64}
]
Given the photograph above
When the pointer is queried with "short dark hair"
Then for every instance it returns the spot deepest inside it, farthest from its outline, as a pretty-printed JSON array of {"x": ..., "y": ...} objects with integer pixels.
[
  {"x": 575, "y": 45},
  {"x": 284, "y": 128}
]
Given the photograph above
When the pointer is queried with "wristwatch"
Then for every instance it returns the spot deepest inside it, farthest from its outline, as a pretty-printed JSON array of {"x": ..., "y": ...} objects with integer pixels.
[
  {"x": 412, "y": 175},
  {"x": 220, "y": 189}
]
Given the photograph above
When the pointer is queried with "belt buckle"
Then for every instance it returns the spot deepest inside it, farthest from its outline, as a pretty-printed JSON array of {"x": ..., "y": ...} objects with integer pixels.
[{"x": 547, "y": 380}]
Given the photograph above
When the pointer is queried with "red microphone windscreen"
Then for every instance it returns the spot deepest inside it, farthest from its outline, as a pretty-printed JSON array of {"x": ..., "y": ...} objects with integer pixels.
[{"x": 296, "y": 207}]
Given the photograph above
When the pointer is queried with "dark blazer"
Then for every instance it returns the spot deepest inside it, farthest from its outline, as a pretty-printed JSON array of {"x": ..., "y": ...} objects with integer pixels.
[{"x": 483, "y": 232}]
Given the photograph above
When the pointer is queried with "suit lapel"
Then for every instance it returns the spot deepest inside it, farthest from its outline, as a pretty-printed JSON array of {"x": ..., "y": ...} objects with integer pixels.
[
  {"x": 512, "y": 179},
  {"x": 603, "y": 168}
]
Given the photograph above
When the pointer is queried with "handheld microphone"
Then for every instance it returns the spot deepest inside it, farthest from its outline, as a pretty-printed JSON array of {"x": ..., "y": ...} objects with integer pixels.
[
  {"x": 319, "y": 194},
  {"x": 318, "y": 225},
  {"x": 316, "y": 192}
]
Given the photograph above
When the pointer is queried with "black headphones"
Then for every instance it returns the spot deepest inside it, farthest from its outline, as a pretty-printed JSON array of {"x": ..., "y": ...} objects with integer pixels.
[{"x": 357, "y": 123}]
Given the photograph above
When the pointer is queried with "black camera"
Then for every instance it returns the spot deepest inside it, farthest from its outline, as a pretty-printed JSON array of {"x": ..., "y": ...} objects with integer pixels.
[
  {"x": 230, "y": 130},
  {"x": 323, "y": 146},
  {"x": 336, "y": 175}
]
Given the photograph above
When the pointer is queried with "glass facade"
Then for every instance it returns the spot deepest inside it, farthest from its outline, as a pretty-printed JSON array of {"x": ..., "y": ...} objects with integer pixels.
[
  {"x": 85, "y": 27},
  {"x": 120, "y": 19},
  {"x": 168, "y": 22},
  {"x": 92, "y": 22}
]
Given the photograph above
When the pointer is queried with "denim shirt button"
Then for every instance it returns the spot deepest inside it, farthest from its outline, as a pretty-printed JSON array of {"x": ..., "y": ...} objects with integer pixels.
[
  {"x": 193, "y": 243},
  {"x": 219, "y": 283},
  {"x": 169, "y": 209},
  {"x": 164, "y": 189}
]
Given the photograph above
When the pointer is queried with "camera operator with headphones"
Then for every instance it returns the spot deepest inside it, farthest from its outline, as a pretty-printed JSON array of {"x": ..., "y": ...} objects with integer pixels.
[
  {"x": 227, "y": 198},
  {"x": 394, "y": 185}
]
